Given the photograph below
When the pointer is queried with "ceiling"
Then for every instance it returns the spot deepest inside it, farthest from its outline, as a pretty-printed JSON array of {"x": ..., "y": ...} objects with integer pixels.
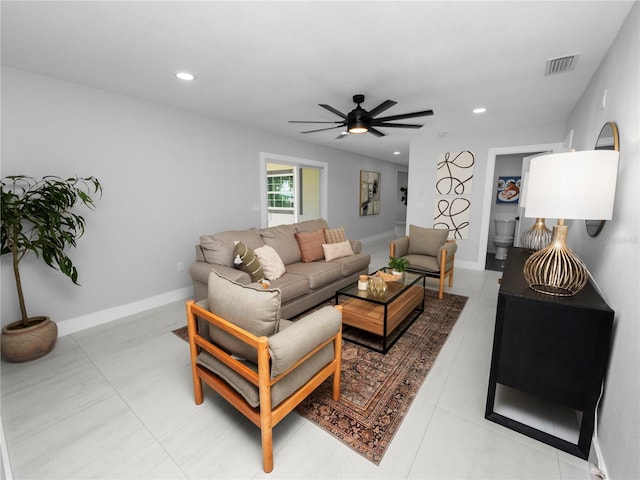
[{"x": 264, "y": 63}]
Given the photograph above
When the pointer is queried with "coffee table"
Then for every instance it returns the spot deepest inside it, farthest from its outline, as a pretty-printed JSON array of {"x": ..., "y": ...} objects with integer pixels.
[{"x": 386, "y": 316}]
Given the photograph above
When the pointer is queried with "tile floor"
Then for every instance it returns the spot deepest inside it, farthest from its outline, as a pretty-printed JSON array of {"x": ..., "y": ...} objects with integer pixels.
[{"x": 116, "y": 401}]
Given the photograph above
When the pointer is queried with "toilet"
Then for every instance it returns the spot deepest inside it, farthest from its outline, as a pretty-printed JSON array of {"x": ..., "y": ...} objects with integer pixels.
[{"x": 505, "y": 230}]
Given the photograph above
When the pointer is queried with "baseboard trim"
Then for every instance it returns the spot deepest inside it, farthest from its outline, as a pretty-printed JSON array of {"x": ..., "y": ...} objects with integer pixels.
[{"x": 77, "y": 324}]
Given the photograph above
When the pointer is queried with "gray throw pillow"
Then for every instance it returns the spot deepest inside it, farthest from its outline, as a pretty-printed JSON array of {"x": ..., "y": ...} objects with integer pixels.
[
  {"x": 254, "y": 310},
  {"x": 426, "y": 241}
]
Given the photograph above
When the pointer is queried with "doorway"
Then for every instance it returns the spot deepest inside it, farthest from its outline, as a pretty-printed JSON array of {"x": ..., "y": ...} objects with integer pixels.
[
  {"x": 505, "y": 206},
  {"x": 491, "y": 187},
  {"x": 292, "y": 190}
]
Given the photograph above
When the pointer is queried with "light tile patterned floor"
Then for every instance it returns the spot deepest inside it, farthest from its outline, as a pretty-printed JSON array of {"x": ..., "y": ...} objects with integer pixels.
[{"x": 116, "y": 401}]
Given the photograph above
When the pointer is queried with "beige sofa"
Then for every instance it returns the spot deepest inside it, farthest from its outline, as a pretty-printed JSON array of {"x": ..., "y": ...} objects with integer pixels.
[{"x": 303, "y": 285}]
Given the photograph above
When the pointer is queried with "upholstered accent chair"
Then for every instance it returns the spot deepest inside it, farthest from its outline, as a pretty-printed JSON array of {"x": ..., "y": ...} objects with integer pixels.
[
  {"x": 429, "y": 252},
  {"x": 261, "y": 364}
]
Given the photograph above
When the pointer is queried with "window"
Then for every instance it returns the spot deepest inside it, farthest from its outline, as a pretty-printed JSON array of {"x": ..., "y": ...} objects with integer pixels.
[
  {"x": 291, "y": 190},
  {"x": 280, "y": 191}
]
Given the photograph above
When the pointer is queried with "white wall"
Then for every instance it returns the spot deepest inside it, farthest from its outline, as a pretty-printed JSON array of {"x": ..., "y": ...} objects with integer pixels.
[
  {"x": 169, "y": 176},
  {"x": 613, "y": 256},
  {"x": 422, "y": 178}
]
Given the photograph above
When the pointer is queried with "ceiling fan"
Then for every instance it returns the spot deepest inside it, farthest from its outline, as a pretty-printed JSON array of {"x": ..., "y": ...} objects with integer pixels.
[{"x": 359, "y": 120}]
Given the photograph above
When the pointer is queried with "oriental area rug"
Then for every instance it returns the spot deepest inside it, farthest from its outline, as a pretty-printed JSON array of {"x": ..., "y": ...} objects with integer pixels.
[{"x": 376, "y": 389}]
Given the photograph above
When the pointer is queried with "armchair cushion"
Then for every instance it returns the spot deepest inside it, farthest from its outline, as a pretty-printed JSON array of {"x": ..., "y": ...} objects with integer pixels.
[
  {"x": 254, "y": 310},
  {"x": 426, "y": 241},
  {"x": 294, "y": 342},
  {"x": 423, "y": 262}
]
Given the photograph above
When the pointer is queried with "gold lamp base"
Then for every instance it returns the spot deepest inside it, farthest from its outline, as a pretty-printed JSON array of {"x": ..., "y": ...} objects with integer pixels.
[
  {"x": 556, "y": 270},
  {"x": 537, "y": 237}
]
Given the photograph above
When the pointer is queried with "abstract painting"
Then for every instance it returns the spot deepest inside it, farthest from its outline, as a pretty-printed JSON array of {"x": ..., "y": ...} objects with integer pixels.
[
  {"x": 453, "y": 213},
  {"x": 369, "y": 193},
  {"x": 455, "y": 173}
]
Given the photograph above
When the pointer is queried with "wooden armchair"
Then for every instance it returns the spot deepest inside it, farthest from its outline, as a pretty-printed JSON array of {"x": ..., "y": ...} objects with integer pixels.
[
  {"x": 429, "y": 252},
  {"x": 267, "y": 373}
]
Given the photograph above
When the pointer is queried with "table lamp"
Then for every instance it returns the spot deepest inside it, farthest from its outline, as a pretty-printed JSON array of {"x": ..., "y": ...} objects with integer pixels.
[
  {"x": 538, "y": 236},
  {"x": 571, "y": 185}
]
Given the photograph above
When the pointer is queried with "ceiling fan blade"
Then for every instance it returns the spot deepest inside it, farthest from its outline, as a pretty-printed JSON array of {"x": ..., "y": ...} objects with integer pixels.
[
  {"x": 395, "y": 125},
  {"x": 322, "y": 129},
  {"x": 333, "y": 110},
  {"x": 342, "y": 135},
  {"x": 312, "y": 121},
  {"x": 377, "y": 133},
  {"x": 382, "y": 107},
  {"x": 405, "y": 115}
]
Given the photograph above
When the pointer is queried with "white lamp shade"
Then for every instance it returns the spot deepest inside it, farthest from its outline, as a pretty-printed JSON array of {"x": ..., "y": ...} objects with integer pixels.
[{"x": 572, "y": 185}]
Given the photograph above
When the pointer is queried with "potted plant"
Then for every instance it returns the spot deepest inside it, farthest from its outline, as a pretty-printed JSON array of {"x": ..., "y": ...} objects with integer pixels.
[
  {"x": 398, "y": 265},
  {"x": 39, "y": 216}
]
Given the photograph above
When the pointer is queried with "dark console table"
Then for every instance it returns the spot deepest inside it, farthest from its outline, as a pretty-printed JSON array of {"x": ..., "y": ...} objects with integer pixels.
[{"x": 554, "y": 348}]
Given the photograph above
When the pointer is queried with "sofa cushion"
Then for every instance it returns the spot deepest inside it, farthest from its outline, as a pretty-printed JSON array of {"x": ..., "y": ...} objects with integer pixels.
[
  {"x": 311, "y": 225},
  {"x": 318, "y": 273},
  {"x": 271, "y": 262},
  {"x": 218, "y": 248},
  {"x": 246, "y": 260},
  {"x": 254, "y": 310},
  {"x": 336, "y": 250},
  {"x": 355, "y": 263},
  {"x": 334, "y": 235},
  {"x": 282, "y": 240},
  {"x": 311, "y": 245},
  {"x": 291, "y": 286},
  {"x": 426, "y": 241}
]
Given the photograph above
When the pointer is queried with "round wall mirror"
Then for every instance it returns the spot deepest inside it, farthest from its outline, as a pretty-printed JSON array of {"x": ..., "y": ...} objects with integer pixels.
[{"x": 607, "y": 140}]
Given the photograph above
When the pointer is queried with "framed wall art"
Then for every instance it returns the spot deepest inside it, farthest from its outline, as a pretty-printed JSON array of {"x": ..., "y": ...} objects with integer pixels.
[
  {"x": 454, "y": 173},
  {"x": 508, "y": 190},
  {"x": 453, "y": 214},
  {"x": 369, "y": 193}
]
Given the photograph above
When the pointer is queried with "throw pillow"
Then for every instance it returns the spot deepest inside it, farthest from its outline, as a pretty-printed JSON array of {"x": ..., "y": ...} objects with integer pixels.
[
  {"x": 426, "y": 241},
  {"x": 311, "y": 245},
  {"x": 271, "y": 262},
  {"x": 336, "y": 250},
  {"x": 245, "y": 259},
  {"x": 334, "y": 235},
  {"x": 254, "y": 310}
]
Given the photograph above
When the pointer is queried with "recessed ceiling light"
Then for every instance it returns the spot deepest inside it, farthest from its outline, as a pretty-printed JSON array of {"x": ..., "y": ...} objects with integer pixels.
[
  {"x": 185, "y": 76},
  {"x": 396, "y": 153},
  {"x": 479, "y": 110}
]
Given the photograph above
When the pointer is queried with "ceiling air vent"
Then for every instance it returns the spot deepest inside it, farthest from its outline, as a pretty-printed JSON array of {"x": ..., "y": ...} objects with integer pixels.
[{"x": 561, "y": 64}]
